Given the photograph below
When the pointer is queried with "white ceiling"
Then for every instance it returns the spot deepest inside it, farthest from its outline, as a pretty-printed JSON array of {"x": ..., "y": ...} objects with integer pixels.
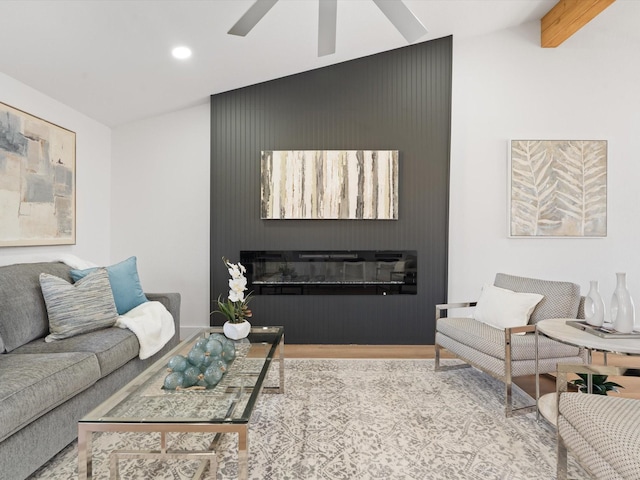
[{"x": 111, "y": 59}]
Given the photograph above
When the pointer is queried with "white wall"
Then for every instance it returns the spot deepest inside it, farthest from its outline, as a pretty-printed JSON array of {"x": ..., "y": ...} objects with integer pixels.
[
  {"x": 142, "y": 190},
  {"x": 150, "y": 198},
  {"x": 93, "y": 171},
  {"x": 160, "y": 207},
  {"x": 506, "y": 87}
]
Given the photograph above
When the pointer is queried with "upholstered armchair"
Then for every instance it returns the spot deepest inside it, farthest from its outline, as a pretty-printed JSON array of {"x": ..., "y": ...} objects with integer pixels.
[
  {"x": 499, "y": 338},
  {"x": 601, "y": 432}
]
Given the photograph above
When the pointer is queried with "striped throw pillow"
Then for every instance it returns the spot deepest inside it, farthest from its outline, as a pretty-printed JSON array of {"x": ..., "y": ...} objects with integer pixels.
[{"x": 82, "y": 307}]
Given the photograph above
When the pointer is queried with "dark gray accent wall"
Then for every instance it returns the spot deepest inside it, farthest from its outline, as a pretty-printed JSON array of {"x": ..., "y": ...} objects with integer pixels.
[{"x": 397, "y": 100}]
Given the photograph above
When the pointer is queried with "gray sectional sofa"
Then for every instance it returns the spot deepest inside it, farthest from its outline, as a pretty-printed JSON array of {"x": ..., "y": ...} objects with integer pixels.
[{"x": 46, "y": 387}]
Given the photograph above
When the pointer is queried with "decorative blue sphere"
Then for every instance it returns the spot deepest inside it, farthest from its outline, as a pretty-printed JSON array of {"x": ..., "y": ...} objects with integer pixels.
[
  {"x": 219, "y": 364},
  {"x": 196, "y": 356},
  {"x": 228, "y": 353},
  {"x": 217, "y": 336},
  {"x": 206, "y": 362},
  {"x": 174, "y": 380},
  {"x": 177, "y": 363},
  {"x": 213, "y": 347},
  {"x": 212, "y": 376},
  {"x": 191, "y": 376}
]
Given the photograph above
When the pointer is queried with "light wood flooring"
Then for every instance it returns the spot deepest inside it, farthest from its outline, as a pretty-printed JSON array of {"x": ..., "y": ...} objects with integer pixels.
[{"x": 547, "y": 383}]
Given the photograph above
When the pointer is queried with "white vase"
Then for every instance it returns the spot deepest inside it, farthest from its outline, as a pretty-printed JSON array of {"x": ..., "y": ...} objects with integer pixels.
[
  {"x": 622, "y": 308},
  {"x": 594, "y": 306},
  {"x": 236, "y": 331}
]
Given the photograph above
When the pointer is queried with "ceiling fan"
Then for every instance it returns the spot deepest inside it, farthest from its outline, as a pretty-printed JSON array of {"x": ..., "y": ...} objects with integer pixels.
[{"x": 395, "y": 10}]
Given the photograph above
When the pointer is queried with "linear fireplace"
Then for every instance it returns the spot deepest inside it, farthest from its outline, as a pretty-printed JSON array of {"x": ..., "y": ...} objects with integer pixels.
[{"x": 341, "y": 272}]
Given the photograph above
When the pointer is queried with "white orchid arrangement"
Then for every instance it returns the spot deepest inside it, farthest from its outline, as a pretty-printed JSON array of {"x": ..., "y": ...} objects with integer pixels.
[{"x": 235, "y": 307}]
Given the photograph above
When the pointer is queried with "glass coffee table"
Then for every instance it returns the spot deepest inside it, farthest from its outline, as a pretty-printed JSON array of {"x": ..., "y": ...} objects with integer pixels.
[{"x": 143, "y": 406}]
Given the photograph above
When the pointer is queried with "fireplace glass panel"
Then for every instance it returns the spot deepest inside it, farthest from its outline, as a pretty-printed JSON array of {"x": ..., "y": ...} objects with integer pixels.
[{"x": 364, "y": 272}]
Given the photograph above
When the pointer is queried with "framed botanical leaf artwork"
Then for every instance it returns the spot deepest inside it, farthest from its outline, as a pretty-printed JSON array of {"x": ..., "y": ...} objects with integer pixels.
[
  {"x": 37, "y": 181},
  {"x": 558, "y": 188}
]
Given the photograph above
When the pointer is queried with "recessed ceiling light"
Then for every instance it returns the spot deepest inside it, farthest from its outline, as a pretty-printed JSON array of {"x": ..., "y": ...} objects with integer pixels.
[{"x": 181, "y": 53}]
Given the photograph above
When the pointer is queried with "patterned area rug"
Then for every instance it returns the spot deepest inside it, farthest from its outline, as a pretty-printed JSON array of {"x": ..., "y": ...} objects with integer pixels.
[{"x": 359, "y": 419}]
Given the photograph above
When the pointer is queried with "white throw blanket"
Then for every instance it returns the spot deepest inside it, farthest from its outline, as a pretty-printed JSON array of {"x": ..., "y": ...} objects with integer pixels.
[{"x": 152, "y": 324}]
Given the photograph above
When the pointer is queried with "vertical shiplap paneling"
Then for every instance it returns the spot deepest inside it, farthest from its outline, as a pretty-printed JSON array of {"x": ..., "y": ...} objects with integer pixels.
[{"x": 397, "y": 100}]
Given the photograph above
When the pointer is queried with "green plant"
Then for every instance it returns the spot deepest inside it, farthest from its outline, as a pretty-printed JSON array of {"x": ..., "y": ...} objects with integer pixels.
[
  {"x": 235, "y": 307},
  {"x": 599, "y": 382}
]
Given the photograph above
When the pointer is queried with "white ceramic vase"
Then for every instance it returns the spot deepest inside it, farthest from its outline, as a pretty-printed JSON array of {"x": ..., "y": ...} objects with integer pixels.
[
  {"x": 622, "y": 308},
  {"x": 236, "y": 331},
  {"x": 594, "y": 306}
]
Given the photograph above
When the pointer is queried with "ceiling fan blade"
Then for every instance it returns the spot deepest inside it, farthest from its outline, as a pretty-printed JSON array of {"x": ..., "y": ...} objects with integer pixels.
[
  {"x": 251, "y": 17},
  {"x": 405, "y": 22},
  {"x": 328, "y": 14}
]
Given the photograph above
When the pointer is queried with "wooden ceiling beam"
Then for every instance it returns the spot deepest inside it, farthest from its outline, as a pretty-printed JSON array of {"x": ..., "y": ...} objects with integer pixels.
[{"x": 566, "y": 18}]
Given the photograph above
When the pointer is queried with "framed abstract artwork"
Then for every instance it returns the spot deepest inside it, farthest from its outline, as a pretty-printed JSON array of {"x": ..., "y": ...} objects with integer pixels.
[
  {"x": 37, "y": 181},
  {"x": 558, "y": 188},
  {"x": 329, "y": 184}
]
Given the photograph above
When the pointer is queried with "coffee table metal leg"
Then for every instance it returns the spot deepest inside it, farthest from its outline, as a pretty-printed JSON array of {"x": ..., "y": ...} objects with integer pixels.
[
  {"x": 84, "y": 453},
  {"x": 114, "y": 473},
  {"x": 279, "y": 358},
  {"x": 213, "y": 469},
  {"x": 282, "y": 365},
  {"x": 243, "y": 454}
]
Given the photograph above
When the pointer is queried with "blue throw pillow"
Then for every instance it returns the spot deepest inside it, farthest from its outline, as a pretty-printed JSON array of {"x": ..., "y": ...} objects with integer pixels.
[{"x": 125, "y": 284}]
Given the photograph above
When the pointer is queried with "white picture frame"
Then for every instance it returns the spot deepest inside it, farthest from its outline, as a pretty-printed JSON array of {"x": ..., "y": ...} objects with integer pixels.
[
  {"x": 557, "y": 189},
  {"x": 37, "y": 181}
]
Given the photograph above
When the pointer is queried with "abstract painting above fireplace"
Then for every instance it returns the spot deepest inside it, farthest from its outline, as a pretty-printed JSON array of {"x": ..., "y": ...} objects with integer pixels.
[{"x": 329, "y": 184}]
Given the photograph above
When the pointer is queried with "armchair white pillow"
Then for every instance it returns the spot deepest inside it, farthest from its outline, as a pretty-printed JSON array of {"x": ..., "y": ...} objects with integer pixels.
[{"x": 502, "y": 308}]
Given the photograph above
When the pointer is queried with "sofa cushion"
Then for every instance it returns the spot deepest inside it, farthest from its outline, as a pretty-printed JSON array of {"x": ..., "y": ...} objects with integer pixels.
[
  {"x": 31, "y": 385},
  {"x": 561, "y": 299},
  {"x": 78, "y": 308},
  {"x": 125, "y": 284},
  {"x": 112, "y": 346},
  {"x": 23, "y": 314},
  {"x": 490, "y": 340}
]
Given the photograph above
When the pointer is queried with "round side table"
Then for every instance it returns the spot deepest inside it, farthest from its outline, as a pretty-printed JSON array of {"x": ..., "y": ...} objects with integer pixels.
[{"x": 558, "y": 329}]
